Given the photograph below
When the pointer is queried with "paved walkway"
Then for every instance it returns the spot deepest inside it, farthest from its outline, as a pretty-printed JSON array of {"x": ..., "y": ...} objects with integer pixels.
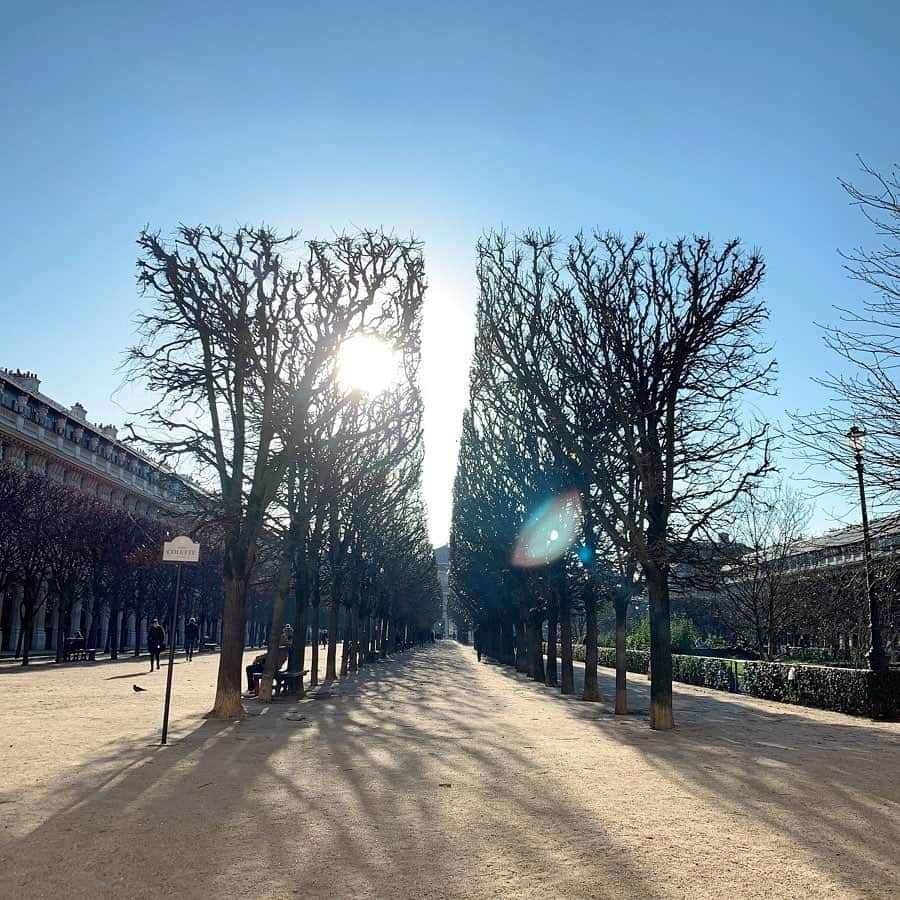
[{"x": 431, "y": 776}]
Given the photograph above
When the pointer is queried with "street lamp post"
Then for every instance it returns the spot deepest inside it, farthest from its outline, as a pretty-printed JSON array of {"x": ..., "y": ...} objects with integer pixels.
[{"x": 856, "y": 438}]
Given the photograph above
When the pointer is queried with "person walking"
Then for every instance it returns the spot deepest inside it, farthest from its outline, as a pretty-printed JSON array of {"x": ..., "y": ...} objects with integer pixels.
[
  {"x": 156, "y": 639},
  {"x": 191, "y": 636}
]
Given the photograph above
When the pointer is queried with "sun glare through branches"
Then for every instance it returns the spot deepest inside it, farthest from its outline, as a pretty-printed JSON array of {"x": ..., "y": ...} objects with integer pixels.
[{"x": 366, "y": 363}]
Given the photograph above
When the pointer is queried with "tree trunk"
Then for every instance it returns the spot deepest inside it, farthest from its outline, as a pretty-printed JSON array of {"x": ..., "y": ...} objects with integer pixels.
[
  {"x": 276, "y": 627},
  {"x": 535, "y": 639},
  {"x": 137, "y": 631},
  {"x": 28, "y": 640},
  {"x": 661, "y": 718},
  {"x": 300, "y": 657},
  {"x": 591, "y": 682},
  {"x": 520, "y": 626},
  {"x": 228, "y": 704},
  {"x": 24, "y": 632},
  {"x": 345, "y": 644},
  {"x": 507, "y": 649},
  {"x": 770, "y": 643},
  {"x": 93, "y": 633},
  {"x": 314, "y": 647},
  {"x": 331, "y": 657},
  {"x": 362, "y": 646},
  {"x": 552, "y": 621},
  {"x": 299, "y": 612},
  {"x": 114, "y": 632},
  {"x": 60, "y": 631},
  {"x": 621, "y": 607},
  {"x": 354, "y": 639},
  {"x": 567, "y": 667}
]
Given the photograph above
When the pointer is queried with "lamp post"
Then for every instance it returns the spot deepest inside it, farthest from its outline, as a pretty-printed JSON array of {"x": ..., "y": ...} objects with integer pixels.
[{"x": 856, "y": 438}]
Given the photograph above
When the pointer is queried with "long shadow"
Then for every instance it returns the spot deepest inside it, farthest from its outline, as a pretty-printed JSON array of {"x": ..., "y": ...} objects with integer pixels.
[
  {"x": 392, "y": 767},
  {"x": 827, "y": 783},
  {"x": 144, "y": 671},
  {"x": 337, "y": 797}
]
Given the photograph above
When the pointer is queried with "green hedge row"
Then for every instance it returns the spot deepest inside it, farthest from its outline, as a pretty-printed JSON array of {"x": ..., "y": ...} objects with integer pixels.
[
  {"x": 856, "y": 692},
  {"x": 702, "y": 671}
]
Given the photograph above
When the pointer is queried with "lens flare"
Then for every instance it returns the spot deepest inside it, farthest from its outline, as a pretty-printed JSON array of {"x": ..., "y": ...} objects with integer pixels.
[{"x": 549, "y": 532}]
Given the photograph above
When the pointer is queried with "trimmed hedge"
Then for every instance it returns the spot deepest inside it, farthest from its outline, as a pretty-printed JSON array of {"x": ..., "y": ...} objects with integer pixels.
[
  {"x": 702, "y": 671},
  {"x": 856, "y": 692}
]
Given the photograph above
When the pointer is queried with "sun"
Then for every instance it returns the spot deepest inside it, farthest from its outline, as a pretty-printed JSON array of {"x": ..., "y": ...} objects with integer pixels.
[{"x": 366, "y": 363}]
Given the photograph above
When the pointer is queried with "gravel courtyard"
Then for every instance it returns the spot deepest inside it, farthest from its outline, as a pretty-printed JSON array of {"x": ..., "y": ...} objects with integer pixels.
[{"x": 431, "y": 776}]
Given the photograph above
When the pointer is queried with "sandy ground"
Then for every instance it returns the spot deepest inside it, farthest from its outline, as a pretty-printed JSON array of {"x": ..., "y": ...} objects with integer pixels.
[{"x": 431, "y": 776}]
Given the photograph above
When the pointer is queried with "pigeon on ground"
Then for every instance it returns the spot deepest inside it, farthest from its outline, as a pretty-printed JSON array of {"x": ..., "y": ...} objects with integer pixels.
[{"x": 135, "y": 688}]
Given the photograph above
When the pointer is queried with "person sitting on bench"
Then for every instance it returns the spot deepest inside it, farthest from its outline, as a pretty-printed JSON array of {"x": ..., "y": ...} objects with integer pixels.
[{"x": 259, "y": 663}]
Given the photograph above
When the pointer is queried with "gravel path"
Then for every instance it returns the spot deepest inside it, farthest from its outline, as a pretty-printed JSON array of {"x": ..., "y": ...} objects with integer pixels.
[{"x": 431, "y": 776}]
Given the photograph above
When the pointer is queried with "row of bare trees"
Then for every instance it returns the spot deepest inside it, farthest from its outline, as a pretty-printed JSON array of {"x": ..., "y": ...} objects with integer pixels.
[
  {"x": 307, "y": 479},
  {"x": 611, "y": 372},
  {"x": 617, "y": 371},
  {"x": 60, "y": 546}
]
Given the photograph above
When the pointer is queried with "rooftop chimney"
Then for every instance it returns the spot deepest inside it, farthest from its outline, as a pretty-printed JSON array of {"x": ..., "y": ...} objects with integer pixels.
[
  {"x": 79, "y": 412},
  {"x": 109, "y": 431},
  {"x": 28, "y": 380}
]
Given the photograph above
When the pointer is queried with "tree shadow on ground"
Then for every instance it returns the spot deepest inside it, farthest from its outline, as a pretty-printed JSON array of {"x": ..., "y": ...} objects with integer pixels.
[
  {"x": 827, "y": 783},
  {"x": 398, "y": 782}
]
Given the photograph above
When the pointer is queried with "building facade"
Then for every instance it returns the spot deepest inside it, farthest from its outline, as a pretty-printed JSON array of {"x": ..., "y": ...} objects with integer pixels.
[{"x": 42, "y": 435}]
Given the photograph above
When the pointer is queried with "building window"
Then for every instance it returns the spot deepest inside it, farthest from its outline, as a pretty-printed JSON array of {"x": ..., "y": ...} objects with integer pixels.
[{"x": 25, "y": 458}]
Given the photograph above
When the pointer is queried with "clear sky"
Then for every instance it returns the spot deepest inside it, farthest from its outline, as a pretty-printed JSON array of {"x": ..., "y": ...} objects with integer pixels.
[{"x": 438, "y": 119}]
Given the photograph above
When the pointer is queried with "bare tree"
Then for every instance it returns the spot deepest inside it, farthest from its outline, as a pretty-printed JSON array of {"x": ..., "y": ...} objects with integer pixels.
[
  {"x": 869, "y": 340},
  {"x": 368, "y": 284},
  {"x": 754, "y": 594},
  {"x": 635, "y": 357},
  {"x": 869, "y": 394},
  {"x": 672, "y": 329},
  {"x": 214, "y": 349}
]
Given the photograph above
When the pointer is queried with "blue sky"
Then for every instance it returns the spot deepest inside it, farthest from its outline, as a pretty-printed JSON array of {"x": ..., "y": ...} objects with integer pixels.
[{"x": 441, "y": 120}]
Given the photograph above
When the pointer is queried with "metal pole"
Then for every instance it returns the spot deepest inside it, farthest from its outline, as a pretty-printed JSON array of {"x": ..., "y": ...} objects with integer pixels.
[
  {"x": 172, "y": 629},
  {"x": 877, "y": 659}
]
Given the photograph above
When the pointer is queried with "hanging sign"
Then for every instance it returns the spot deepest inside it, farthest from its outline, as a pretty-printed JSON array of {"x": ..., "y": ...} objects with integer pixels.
[{"x": 181, "y": 550}]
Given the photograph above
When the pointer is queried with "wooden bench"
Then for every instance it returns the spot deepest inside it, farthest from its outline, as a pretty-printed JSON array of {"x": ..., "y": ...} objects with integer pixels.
[
  {"x": 74, "y": 650},
  {"x": 286, "y": 682}
]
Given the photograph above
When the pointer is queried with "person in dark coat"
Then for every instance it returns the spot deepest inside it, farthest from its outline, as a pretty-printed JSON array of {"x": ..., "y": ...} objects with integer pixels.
[
  {"x": 156, "y": 640},
  {"x": 191, "y": 636}
]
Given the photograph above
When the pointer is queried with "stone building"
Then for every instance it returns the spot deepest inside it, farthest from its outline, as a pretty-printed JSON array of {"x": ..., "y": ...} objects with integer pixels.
[{"x": 42, "y": 435}]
